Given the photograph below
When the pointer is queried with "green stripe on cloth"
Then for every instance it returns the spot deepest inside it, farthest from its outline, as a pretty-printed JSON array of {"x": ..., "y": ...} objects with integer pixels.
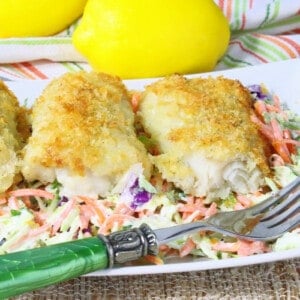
[
  {"x": 37, "y": 41},
  {"x": 264, "y": 46},
  {"x": 72, "y": 67},
  {"x": 275, "y": 8},
  {"x": 265, "y": 20},
  {"x": 291, "y": 20},
  {"x": 252, "y": 44},
  {"x": 233, "y": 62},
  {"x": 236, "y": 14},
  {"x": 294, "y": 20}
]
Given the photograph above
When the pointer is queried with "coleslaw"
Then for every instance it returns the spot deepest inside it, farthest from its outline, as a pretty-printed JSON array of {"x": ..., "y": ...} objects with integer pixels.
[{"x": 33, "y": 215}]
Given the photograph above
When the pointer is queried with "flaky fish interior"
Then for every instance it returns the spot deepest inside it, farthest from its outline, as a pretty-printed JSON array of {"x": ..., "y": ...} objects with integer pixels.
[
  {"x": 83, "y": 135},
  {"x": 208, "y": 144}
]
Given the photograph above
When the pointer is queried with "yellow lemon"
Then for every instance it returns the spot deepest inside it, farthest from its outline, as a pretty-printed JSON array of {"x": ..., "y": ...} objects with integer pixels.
[
  {"x": 20, "y": 18},
  {"x": 147, "y": 38}
]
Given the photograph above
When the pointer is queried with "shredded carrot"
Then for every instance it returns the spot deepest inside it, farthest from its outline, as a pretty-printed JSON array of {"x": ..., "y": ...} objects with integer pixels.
[
  {"x": 123, "y": 208},
  {"x": 266, "y": 130},
  {"x": 238, "y": 206},
  {"x": 99, "y": 211},
  {"x": 31, "y": 192},
  {"x": 32, "y": 234},
  {"x": 190, "y": 217},
  {"x": 195, "y": 209},
  {"x": 145, "y": 213},
  {"x": 291, "y": 144},
  {"x": 226, "y": 247},
  {"x": 278, "y": 142},
  {"x": 164, "y": 248},
  {"x": 111, "y": 221},
  {"x": 39, "y": 217},
  {"x": 85, "y": 215},
  {"x": 272, "y": 108},
  {"x": 190, "y": 208},
  {"x": 282, "y": 150},
  {"x": 192, "y": 204},
  {"x": 68, "y": 207},
  {"x": 276, "y": 101},
  {"x": 26, "y": 201},
  {"x": 154, "y": 259},
  {"x": 13, "y": 203},
  {"x": 211, "y": 210},
  {"x": 277, "y": 132},
  {"x": 246, "y": 248},
  {"x": 242, "y": 247},
  {"x": 244, "y": 200},
  {"x": 275, "y": 135},
  {"x": 187, "y": 248},
  {"x": 260, "y": 107},
  {"x": 37, "y": 231}
]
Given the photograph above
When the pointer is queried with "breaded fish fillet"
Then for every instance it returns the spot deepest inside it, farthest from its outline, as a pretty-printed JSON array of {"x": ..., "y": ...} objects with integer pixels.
[
  {"x": 209, "y": 145},
  {"x": 10, "y": 140},
  {"x": 83, "y": 135}
]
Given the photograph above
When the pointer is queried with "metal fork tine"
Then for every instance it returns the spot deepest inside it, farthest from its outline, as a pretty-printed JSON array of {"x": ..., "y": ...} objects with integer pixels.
[
  {"x": 288, "y": 225},
  {"x": 261, "y": 232},
  {"x": 282, "y": 216},
  {"x": 265, "y": 205},
  {"x": 254, "y": 223},
  {"x": 279, "y": 209}
]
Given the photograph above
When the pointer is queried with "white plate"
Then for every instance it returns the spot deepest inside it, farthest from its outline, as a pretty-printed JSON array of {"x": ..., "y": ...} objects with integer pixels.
[{"x": 281, "y": 78}]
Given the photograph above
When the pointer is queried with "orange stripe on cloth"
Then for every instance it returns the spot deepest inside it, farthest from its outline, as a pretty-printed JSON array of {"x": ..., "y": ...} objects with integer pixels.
[
  {"x": 6, "y": 71},
  {"x": 250, "y": 4},
  {"x": 292, "y": 43},
  {"x": 221, "y": 4},
  {"x": 278, "y": 42},
  {"x": 243, "y": 21},
  {"x": 22, "y": 70},
  {"x": 34, "y": 70},
  {"x": 229, "y": 9},
  {"x": 240, "y": 44}
]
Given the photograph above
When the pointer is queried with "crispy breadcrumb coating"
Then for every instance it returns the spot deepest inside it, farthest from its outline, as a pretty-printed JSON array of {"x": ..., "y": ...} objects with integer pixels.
[
  {"x": 82, "y": 130},
  {"x": 10, "y": 139},
  {"x": 202, "y": 126}
]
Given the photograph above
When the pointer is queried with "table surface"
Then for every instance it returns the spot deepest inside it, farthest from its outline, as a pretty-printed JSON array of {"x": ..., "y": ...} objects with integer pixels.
[{"x": 278, "y": 280}]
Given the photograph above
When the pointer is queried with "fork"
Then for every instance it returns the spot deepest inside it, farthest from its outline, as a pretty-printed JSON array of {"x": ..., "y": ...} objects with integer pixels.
[
  {"x": 35, "y": 268},
  {"x": 265, "y": 221}
]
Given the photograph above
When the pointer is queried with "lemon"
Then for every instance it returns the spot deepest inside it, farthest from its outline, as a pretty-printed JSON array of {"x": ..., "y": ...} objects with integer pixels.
[
  {"x": 21, "y": 18},
  {"x": 138, "y": 39}
]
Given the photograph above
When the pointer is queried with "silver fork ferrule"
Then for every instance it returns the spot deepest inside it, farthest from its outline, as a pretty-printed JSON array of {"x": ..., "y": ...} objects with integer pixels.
[{"x": 128, "y": 245}]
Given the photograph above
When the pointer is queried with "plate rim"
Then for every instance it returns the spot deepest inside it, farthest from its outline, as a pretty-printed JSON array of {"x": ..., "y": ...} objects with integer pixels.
[{"x": 198, "y": 264}]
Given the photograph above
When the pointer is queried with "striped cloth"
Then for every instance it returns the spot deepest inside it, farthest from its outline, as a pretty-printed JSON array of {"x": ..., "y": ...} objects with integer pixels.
[{"x": 262, "y": 31}]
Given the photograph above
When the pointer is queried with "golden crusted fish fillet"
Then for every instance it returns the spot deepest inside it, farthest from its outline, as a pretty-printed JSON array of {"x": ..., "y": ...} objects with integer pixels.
[
  {"x": 83, "y": 135},
  {"x": 10, "y": 140},
  {"x": 208, "y": 143}
]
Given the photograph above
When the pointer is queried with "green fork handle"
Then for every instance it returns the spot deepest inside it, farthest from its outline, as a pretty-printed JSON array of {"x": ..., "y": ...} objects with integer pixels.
[
  {"x": 29, "y": 270},
  {"x": 32, "y": 269}
]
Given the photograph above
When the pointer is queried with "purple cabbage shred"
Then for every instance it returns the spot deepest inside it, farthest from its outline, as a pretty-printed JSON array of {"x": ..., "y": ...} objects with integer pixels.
[
  {"x": 140, "y": 195},
  {"x": 62, "y": 200},
  {"x": 256, "y": 91}
]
